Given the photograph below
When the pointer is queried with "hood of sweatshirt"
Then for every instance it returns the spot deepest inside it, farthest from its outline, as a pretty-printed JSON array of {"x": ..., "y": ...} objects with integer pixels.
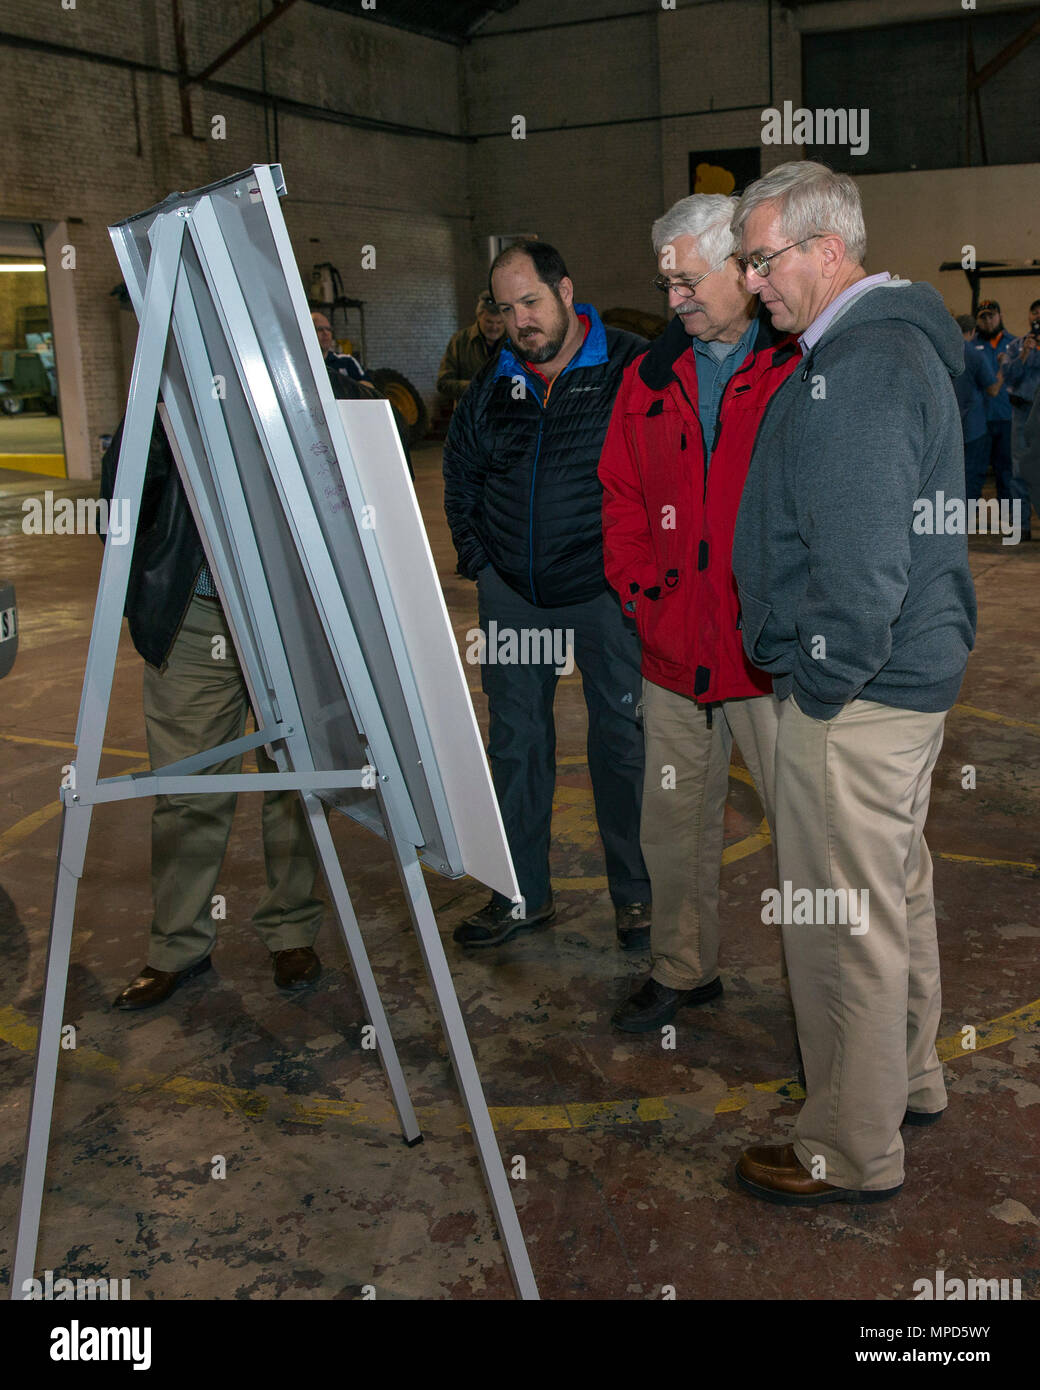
[{"x": 918, "y": 303}]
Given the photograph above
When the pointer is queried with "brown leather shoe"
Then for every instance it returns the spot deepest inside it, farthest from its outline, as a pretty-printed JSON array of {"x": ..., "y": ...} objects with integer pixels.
[
  {"x": 295, "y": 967},
  {"x": 153, "y": 986},
  {"x": 774, "y": 1173}
]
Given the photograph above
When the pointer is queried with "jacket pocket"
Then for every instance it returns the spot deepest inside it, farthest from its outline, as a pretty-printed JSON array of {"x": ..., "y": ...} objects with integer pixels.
[
  {"x": 659, "y": 621},
  {"x": 754, "y": 614}
]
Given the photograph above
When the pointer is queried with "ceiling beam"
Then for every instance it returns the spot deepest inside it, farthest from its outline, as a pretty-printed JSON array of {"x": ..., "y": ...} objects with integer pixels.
[
  {"x": 240, "y": 43},
  {"x": 1013, "y": 49}
]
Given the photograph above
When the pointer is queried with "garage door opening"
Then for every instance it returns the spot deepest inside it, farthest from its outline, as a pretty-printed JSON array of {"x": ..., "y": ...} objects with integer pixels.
[{"x": 31, "y": 436}]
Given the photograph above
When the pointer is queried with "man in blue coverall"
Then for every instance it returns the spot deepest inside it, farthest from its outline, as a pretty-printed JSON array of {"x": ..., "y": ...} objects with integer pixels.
[
  {"x": 1022, "y": 377},
  {"x": 994, "y": 340}
]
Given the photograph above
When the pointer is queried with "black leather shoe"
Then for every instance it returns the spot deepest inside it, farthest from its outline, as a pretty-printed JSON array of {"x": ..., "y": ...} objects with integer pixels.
[
  {"x": 295, "y": 967},
  {"x": 495, "y": 923},
  {"x": 633, "y": 926},
  {"x": 655, "y": 1004},
  {"x": 153, "y": 986},
  {"x": 923, "y": 1117}
]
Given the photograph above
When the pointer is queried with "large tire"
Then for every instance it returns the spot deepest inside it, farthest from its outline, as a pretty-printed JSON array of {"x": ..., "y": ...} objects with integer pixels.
[
  {"x": 648, "y": 326},
  {"x": 410, "y": 406}
]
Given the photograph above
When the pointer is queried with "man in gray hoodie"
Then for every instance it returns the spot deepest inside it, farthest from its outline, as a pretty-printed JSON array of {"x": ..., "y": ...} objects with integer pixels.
[{"x": 851, "y": 560}]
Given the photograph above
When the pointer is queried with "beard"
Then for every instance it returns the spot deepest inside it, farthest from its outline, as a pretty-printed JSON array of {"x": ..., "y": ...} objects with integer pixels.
[{"x": 555, "y": 336}]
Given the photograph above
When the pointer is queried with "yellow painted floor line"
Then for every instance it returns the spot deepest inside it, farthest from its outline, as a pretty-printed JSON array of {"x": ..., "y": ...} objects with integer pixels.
[
  {"x": 51, "y": 464},
  {"x": 13, "y": 836},
  {"x": 57, "y": 743},
  {"x": 1004, "y": 719},
  {"x": 18, "y": 1032},
  {"x": 990, "y": 863}
]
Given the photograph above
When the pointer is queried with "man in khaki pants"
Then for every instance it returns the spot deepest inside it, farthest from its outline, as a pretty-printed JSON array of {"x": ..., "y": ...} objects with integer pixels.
[
  {"x": 195, "y": 698},
  {"x": 859, "y": 600},
  {"x": 672, "y": 467}
]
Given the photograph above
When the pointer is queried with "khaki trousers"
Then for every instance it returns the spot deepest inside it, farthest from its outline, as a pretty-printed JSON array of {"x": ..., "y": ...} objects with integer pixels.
[
  {"x": 852, "y": 799},
  {"x": 197, "y": 702},
  {"x": 681, "y": 831}
]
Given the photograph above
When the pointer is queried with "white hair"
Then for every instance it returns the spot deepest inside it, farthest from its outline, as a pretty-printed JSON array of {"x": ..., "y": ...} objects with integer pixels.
[
  {"x": 811, "y": 200},
  {"x": 706, "y": 216}
]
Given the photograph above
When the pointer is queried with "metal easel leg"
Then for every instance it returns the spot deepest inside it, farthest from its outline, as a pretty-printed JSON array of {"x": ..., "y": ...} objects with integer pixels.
[
  {"x": 90, "y": 730},
  {"x": 361, "y": 967},
  {"x": 75, "y": 827},
  {"x": 465, "y": 1069}
]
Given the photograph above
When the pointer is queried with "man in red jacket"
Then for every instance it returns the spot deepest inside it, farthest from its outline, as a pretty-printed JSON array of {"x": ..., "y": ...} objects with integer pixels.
[{"x": 673, "y": 467}]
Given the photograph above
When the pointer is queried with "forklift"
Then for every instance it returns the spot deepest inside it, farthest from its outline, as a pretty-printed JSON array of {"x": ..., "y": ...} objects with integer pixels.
[{"x": 327, "y": 296}]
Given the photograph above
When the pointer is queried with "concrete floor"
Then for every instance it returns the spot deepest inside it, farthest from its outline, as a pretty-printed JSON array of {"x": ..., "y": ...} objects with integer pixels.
[
  {"x": 30, "y": 432},
  {"x": 629, "y": 1149}
]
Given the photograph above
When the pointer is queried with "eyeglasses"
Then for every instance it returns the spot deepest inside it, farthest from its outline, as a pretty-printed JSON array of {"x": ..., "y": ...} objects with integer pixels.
[
  {"x": 760, "y": 264},
  {"x": 684, "y": 288}
]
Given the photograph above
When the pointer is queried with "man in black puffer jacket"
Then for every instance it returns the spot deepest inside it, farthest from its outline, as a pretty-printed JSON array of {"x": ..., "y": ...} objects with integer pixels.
[{"x": 524, "y": 503}]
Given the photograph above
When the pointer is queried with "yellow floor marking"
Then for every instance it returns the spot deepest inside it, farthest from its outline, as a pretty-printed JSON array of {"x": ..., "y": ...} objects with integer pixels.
[
  {"x": 991, "y": 863},
  {"x": 18, "y": 1032},
  {"x": 22, "y": 829},
  {"x": 997, "y": 1030},
  {"x": 57, "y": 743},
  {"x": 13, "y": 836},
  {"x": 51, "y": 464},
  {"x": 1004, "y": 719}
]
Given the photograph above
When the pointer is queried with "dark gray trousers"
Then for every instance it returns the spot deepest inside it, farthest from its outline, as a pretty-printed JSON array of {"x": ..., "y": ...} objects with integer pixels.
[{"x": 522, "y": 733}]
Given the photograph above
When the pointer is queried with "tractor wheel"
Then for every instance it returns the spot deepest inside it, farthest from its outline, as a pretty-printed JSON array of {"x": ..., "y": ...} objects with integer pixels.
[
  {"x": 648, "y": 326},
  {"x": 50, "y": 404},
  {"x": 12, "y": 405},
  {"x": 410, "y": 406}
]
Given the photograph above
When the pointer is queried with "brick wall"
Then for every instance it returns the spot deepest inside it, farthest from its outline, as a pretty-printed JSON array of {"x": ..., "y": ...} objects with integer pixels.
[
  {"x": 614, "y": 102},
  {"x": 75, "y": 149},
  {"x": 587, "y": 177},
  {"x": 17, "y": 290}
]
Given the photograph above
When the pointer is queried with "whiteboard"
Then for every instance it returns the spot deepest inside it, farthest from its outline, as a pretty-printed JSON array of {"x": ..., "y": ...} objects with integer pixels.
[
  {"x": 281, "y": 477},
  {"x": 404, "y": 549}
]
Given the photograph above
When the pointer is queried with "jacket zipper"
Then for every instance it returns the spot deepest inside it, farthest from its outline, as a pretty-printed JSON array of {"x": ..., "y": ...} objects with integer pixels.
[
  {"x": 542, "y": 405},
  {"x": 530, "y": 508}
]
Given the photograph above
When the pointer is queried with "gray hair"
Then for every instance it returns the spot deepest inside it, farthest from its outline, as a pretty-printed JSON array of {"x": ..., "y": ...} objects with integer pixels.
[
  {"x": 811, "y": 200},
  {"x": 706, "y": 216}
]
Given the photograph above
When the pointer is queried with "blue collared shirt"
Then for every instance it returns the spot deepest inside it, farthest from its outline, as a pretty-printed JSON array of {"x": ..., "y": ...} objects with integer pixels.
[
  {"x": 712, "y": 375},
  {"x": 826, "y": 317}
]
